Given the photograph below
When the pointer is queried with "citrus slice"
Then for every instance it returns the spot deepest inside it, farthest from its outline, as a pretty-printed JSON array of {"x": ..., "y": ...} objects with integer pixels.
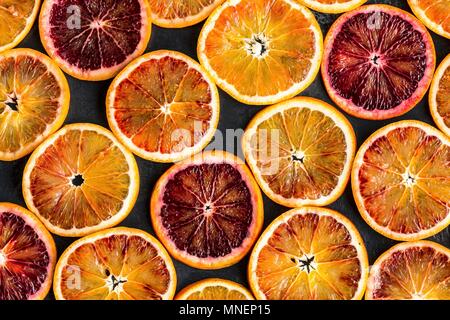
[
  {"x": 115, "y": 264},
  {"x": 93, "y": 40},
  {"x": 27, "y": 255},
  {"x": 181, "y": 13},
  {"x": 434, "y": 14},
  {"x": 411, "y": 271},
  {"x": 81, "y": 180},
  {"x": 378, "y": 62},
  {"x": 34, "y": 101},
  {"x": 208, "y": 210},
  {"x": 261, "y": 51},
  {"x": 16, "y": 19},
  {"x": 332, "y": 6},
  {"x": 309, "y": 254},
  {"x": 439, "y": 96},
  {"x": 401, "y": 181},
  {"x": 214, "y": 289},
  {"x": 300, "y": 152},
  {"x": 163, "y": 107}
]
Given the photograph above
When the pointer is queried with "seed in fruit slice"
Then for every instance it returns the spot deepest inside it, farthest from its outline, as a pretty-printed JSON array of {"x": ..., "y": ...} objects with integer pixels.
[
  {"x": 332, "y": 6},
  {"x": 434, "y": 14},
  {"x": 309, "y": 254},
  {"x": 16, "y": 19},
  {"x": 27, "y": 255},
  {"x": 439, "y": 97},
  {"x": 300, "y": 152},
  {"x": 214, "y": 289},
  {"x": 34, "y": 101},
  {"x": 181, "y": 13},
  {"x": 81, "y": 180},
  {"x": 261, "y": 51},
  {"x": 401, "y": 181},
  {"x": 207, "y": 210},
  {"x": 411, "y": 271},
  {"x": 93, "y": 40},
  {"x": 115, "y": 264},
  {"x": 163, "y": 107},
  {"x": 378, "y": 62}
]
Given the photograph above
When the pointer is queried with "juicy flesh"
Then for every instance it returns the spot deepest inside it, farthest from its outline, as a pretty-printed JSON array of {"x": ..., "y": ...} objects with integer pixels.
[
  {"x": 443, "y": 97},
  {"x": 309, "y": 257},
  {"x": 300, "y": 153},
  {"x": 180, "y": 9},
  {"x": 412, "y": 274},
  {"x": 29, "y": 102},
  {"x": 436, "y": 11},
  {"x": 117, "y": 267},
  {"x": 13, "y": 18},
  {"x": 207, "y": 210},
  {"x": 24, "y": 259},
  {"x": 377, "y": 61},
  {"x": 80, "y": 181},
  {"x": 217, "y": 293},
  {"x": 92, "y": 35},
  {"x": 164, "y": 106},
  {"x": 261, "y": 47},
  {"x": 405, "y": 180}
]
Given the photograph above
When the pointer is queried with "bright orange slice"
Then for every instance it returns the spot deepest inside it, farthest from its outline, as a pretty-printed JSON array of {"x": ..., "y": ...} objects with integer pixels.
[
  {"x": 309, "y": 253},
  {"x": 401, "y": 181},
  {"x": 434, "y": 14},
  {"x": 300, "y": 152},
  {"x": 411, "y": 271},
  {"x": 181, "y": 13},
  {"x": 16, "y": 19},
  {"x": 214, "y": 289},
  {"x": 34, "y": 101},
  {"x": 81, "y": 180},
  {"x": 439, "y": 96},
  {"x": 163, "y": 107},
  {"x": 332, "y": 6},
  {"x": 261, "y": 51},
  {"x": 115, "y": 264}
]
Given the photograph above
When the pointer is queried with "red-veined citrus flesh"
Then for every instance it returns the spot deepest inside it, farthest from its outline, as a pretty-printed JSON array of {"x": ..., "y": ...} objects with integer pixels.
[
  {"x": 332, "y": 6},
  {"x": 434, "y": 14},
  {"x": 439, "y": 96},
  {"x": 214, "y": 289}
]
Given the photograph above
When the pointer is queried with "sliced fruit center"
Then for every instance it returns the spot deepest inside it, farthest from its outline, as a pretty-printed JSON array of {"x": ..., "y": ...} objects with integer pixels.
[
  {"x": 300, "y": 153},
  {"x": 217, "y": 293},
  {"x": 24, "y": 259},
  {"x": 179, "y": 9},
  {"x": 116, "y": 267},
  {"x": 98, "y": 34},
  {"x": 80, "y": 181},
  {"x": 164, "y": 106},
  {"x": 377, "y": 61},
  {"x": 309, "y": 257},
  {"x": 13, "y": 19},
  {"x": 443, "y": 97},
  {"x": 207, "y": 210},
  {"x": 404, "y": 180}
]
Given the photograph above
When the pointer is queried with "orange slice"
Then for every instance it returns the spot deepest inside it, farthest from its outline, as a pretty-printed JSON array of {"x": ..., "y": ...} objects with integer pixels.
[
  {"x": 115, "y": 264},
  {"x": 81, "y": 180},
  {"x": 309, "y": 253},
  {"x": 181, "y": 13},
  {"x": 261, "y": 51},
  {"x": 163, "y": 107},
  {"x": 27, "y": 255},
  {"x": 300, "y": 152},
  {"x": 401, "y": 181},
  {"x": 332, "y": 6},
  {"x": 434, "y": 14},
  {"x": 214, "y": 289},
  {"x": 207, "y": 210},
  {"x": 16, "y": 19},
  {"x": 34, "y": 101},
  {"x": 439, "y": 96},
  {"x": 411, "y": 271}
]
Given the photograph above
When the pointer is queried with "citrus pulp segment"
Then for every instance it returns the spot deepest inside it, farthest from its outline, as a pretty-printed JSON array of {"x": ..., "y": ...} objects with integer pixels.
[
  {"x": 439, "y": 96},
  {"x": 332, "y": 6},
  {"x": 434, "y": 14},
  {"x": 214, "y": 289}
]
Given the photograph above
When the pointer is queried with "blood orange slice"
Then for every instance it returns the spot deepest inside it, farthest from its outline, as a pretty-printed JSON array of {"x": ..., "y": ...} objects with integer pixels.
[
  {"x": 93, "y": 40},
  {"x": 332, "y": 6},
  {"x": 27, "y": 255},
  {"x": 34, "y": 101},
  {"x": 434, "y": 14},
  {"x": 81, "y": 180},
  {"x": 378, "y": 62},
  {"x": 411, "y": 271},
  {"x": 214, "y": 289},
  {"x": 439, "y": 96},
  {"x": 401, "y": 181},
  {"x": 309, "y": 254},
  {"x": 163, "y": 107},
  {"x": 207, "y": 210},
  {"x": 116, "y": 264}
]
